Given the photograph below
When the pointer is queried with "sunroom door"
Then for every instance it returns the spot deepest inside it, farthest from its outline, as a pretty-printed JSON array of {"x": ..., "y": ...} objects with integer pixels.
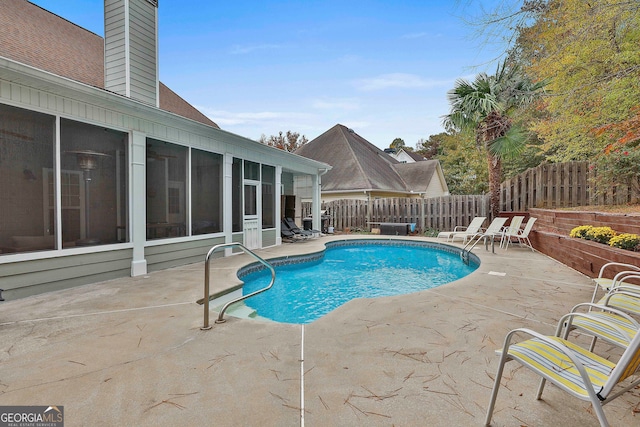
[{"x": 252, "y": 227}]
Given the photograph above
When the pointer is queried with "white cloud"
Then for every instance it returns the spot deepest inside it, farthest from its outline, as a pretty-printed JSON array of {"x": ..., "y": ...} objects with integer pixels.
[{"x": 398, "y": 80}]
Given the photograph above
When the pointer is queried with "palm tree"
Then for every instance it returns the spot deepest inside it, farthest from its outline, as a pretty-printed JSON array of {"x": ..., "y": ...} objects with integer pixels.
[{"x": 486, "y": 107}]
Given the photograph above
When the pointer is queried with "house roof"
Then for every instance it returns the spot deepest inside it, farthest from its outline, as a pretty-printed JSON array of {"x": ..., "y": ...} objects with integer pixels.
[
  {"x": 359, "y": 165},
  {"x": 41, "y": 39},
  {"x": 415, "y": 156},
  {"x": 418, "y": 175}
]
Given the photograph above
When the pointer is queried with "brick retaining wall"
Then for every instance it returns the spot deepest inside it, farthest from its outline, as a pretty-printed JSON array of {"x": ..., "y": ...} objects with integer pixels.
[{"x": 551, "y": 237}]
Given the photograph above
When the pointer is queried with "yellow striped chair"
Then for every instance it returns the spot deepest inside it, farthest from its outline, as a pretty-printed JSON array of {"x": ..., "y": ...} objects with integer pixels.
[
  {"x": 606, "y": 283},
  {"x": 600, "y": 321},
  {"x": 624, "y": 296},
  {"x": 571, "y": 368}
]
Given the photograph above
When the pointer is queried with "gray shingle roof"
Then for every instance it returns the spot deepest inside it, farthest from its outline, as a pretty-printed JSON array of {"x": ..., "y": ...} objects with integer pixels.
[
  {"x": 36, "y": 37},
  {"x": 359, "y": 165},
  {"x": 415, "y": 156}
]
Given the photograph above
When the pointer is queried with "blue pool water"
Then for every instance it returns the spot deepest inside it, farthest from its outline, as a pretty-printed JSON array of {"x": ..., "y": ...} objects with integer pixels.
[{"x": 306, "y": 291}]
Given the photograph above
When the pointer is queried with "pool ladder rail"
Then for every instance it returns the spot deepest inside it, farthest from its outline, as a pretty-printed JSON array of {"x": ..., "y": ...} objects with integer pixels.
[
  {"x": 205, "y": 301},
  {"x": 464, "y": 254}
]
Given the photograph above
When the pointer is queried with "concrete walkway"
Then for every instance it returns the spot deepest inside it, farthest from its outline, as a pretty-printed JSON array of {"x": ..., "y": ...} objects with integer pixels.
[{"x": 130, "y": 352}]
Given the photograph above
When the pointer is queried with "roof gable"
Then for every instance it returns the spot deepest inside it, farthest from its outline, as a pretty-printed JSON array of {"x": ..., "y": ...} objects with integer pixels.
[
  {"x": 359, "y": 165},
  {"x": 41, "y": 39},
  {"x": 417, "y": 175},
  {"x": 356, "y": 163}
]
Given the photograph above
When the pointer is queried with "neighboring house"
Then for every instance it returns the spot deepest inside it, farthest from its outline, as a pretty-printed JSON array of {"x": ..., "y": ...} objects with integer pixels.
[
  {"x": 105, "y": 172},
  {"x": 404, "y": 156},
  {"x": 362, "y": 171}
]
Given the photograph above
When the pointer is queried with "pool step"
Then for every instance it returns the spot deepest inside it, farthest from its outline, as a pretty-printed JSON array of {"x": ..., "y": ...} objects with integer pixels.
[{"x": 242, "y": 311}]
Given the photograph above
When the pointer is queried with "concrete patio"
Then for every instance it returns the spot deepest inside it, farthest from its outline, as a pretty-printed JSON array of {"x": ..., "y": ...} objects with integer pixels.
[{"x": 130, "y": 352}]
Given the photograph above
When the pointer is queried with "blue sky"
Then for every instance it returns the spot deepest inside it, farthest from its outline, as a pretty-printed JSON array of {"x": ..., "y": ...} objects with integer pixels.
[{"x": 382, "y": 68}]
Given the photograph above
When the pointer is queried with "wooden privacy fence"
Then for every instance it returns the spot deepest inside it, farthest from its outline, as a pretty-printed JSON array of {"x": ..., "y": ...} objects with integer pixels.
[
  {"x": 559, "y": 185},
  {"x": 438, "y": 213},
  {"x": 555, "y": 185}
]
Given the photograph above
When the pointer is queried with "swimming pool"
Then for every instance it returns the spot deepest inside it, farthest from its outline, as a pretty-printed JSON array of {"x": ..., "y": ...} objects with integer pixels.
[{"x": 310, "y": 286}]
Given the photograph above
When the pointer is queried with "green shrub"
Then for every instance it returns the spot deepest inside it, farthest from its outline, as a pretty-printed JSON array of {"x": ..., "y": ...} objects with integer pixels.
[
  {"x": 431, "y": 232},
  {"x": 628, "y": 241},
  {"x": 600, "y": 234},
  {"x": 580, "y": 231}
]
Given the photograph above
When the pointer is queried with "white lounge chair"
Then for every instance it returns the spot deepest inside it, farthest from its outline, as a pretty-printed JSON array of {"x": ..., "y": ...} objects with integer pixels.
[
  {"x": 463, "y": 232},
  {"x": 511, "y": 231},
  {"x": 523, "y": 235},
  {"x": 494, "y": 231}
]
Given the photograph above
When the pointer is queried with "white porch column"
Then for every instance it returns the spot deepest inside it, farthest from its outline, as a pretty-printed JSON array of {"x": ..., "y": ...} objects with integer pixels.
[
  {"x": 316, "y": 201},
  {"x": 138, "y": 199},
  {"x": 278, "y": 208},
  {"x": 227, "y": 198}
]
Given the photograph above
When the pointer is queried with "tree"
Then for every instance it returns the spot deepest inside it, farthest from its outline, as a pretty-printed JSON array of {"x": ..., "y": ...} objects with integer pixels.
[
  {"x": 487, "y": 107},
  {"x": 429, "y": 148},
  {"x": 290, "y": 141},
  {"x": 397, "y": 143},
  {"x": 463, "y": 165},
  {"x": 590, "y": 48},
  {"x": 619, "y": 163}
]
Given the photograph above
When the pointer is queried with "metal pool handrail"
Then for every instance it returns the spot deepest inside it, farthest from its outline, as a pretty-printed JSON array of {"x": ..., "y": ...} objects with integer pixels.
[
  {"x": 466, "y": 251},
  {"x": 220, "y": 319}
]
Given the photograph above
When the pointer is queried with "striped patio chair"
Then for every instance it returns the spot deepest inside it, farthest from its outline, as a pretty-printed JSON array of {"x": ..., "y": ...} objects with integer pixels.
[
  {"x": 600, "y": 321},
  {"x": 625, "y": 298},
  {"x": 606, "y": 283},
  {"x": 579, "y": 372}
]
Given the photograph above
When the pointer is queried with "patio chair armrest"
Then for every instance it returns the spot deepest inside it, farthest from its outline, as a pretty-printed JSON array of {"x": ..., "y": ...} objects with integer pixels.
[
  {"x": 623, "y": 290},
  {"x": 619, "y": 291},
  {"x": 567, "y": 320},
  {"x": 609, "y": 309},
  {"x": 619, "y": 264},
  {"x": 621, "y": 279}
]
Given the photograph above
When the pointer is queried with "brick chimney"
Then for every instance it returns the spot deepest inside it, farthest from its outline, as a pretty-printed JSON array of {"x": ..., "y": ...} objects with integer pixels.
[{"x": 131, "y": 49}]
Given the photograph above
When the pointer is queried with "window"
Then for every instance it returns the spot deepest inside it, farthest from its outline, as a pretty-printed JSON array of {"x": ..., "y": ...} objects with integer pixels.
[
  {"x": 251, "y": 170},
  {"x": 268, "y": 196},
  {"x": 166, "y": 167},
  {"x": 94, "y": 184},
  {"x": 250, "y": 200},
  {"x": 26, "y": 157},
  {"x": 206, "y": 192}
]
